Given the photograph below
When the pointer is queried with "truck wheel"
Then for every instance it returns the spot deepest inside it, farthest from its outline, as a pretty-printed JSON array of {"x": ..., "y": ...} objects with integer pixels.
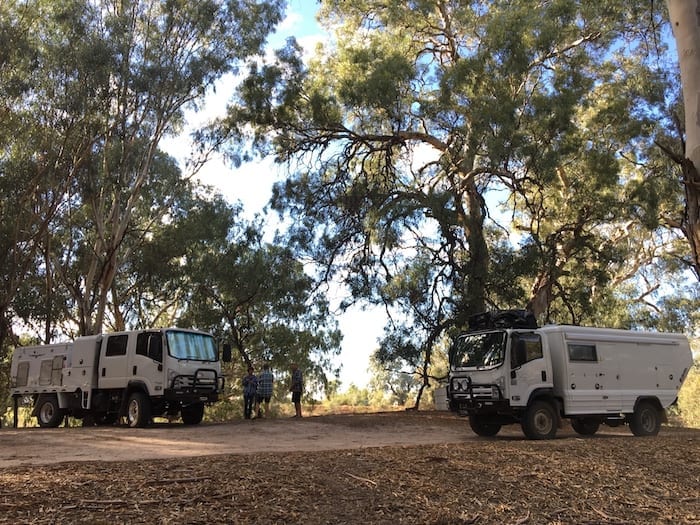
[
  {"x": 48, "y": 413},
  {"x": 585, "y": 426},
  {"x": 138, "y": 410},
  {"x": 482, "y": 426},
  {"x": 192, "y": 414},
  {"x": 540, "y": 421},
  {"x": 646, "y": 420}
]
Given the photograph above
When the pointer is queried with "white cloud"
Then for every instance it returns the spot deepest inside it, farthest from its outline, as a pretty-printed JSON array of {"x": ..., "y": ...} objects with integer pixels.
[{"x": 291, "y": 23}]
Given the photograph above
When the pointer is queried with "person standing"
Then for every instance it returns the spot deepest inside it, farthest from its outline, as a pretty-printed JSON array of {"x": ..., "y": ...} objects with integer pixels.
[
  {"x": 250, "y": 388},
  {"x": 265, "y": 383},
  {"x": 296, "y": 388}
]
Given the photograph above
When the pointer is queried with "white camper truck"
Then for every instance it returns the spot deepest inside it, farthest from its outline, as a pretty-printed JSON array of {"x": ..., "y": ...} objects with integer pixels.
[
  {"x": 137, "y": 375},
  {"x": 593, "y": 376}
]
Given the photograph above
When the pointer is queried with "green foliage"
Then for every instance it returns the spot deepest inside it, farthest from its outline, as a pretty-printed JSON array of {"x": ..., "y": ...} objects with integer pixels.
[
  {"x": 353, "y": 396},
  {"x": 397, "y": 385},
  {"x": 688, "y": 407},
  {"x": 115, "y": 236},
  {"x": 445, "y": 158},
  {"x": 93, "y": 88},
  {"x": 450, "y": 158},
  {"x": 211, "y": 269}
]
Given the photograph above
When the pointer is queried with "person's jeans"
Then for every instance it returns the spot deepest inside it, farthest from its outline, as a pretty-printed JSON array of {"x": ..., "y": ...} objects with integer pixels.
[{"x": 248, "y": 403}]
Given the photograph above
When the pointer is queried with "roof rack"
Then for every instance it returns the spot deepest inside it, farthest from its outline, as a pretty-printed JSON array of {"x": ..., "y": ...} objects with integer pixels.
[{"x": 502, "y": 319}]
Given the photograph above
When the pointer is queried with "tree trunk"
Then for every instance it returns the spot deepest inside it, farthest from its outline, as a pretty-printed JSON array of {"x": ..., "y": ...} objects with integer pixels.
[
  {"x": 478, "y": 265},
  {"x": 685, "y": 22}
]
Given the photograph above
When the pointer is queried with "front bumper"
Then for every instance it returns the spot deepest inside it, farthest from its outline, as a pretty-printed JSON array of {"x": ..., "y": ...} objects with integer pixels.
[{"x": 205, "y": 385}]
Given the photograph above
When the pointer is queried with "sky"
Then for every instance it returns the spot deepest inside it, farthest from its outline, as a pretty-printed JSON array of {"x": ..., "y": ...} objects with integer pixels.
[{"x": 251, "y": 184}]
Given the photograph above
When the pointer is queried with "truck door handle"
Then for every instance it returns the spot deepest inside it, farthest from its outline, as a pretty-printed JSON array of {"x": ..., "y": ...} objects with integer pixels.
[{"x": 133, "y": 372}]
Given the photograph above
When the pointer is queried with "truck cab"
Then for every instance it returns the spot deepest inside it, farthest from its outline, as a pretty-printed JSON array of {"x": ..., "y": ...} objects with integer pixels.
[
  {"x": 496, "y": 374},
  {"x": 162, "y": 371}
]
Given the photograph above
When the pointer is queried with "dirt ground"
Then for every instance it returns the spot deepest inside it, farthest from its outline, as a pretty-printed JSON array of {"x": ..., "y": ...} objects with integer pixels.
[
  {"x": 400, "y": 467},
  {"x": 36, "y": 446}
]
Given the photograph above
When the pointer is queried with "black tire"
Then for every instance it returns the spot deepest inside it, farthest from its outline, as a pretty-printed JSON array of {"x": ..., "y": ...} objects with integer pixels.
[
  {"x": 482, "y": 426},
  {"x": 48, "y": 413},
  {"x": 138, "y": 410},
  {"x": 646, "y": 419},
  {"x": 540, "y": 421},
  {"x": 585, "y": 426},
  {"x": 192, "y": 414}
]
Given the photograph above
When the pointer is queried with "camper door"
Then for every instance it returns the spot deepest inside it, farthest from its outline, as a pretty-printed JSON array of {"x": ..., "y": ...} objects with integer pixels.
[{"x": 593, "y": 380}]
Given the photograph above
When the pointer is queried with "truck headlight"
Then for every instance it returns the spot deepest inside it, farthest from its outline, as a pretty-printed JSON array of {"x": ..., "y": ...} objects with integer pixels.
[{"x": 460, "y": 384}]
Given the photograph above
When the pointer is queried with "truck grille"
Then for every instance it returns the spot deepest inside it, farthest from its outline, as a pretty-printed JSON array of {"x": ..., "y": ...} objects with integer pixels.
[
  {"x": 463, "y": 388},
  {"x": 202, "y": 381}
]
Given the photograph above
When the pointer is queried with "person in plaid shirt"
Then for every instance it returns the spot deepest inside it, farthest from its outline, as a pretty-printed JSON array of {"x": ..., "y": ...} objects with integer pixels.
[{"x": 265, "y": 382}]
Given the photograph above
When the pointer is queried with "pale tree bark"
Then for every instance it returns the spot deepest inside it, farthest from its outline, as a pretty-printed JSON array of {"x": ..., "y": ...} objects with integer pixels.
[{"x": 685, "y": 21}]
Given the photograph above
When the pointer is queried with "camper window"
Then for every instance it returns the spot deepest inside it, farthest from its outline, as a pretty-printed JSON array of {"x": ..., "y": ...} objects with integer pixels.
[
  {"x": 116, "y": 345},
  {"x": 578, "y": 352}
]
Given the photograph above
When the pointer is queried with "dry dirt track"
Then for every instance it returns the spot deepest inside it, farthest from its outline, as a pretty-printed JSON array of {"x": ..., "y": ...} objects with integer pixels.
[
  {"x": 415, "y": 468},
  {"x": 35, "y": 446}
]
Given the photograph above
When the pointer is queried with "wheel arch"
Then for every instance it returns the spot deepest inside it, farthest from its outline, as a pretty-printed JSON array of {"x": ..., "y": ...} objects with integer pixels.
[
  {"x": 546, "y": 394},
  {"x": 39, "y": 398},
  {"x": 47, "y": 411},
  {"x": 133, "y": 386},
  {"x": 655, "y": 402}
]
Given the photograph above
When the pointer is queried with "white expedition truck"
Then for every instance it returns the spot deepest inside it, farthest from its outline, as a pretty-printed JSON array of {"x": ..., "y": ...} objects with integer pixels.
[
  {"x": 136, "y": 374},
  {"x": 535, "y": 376}
]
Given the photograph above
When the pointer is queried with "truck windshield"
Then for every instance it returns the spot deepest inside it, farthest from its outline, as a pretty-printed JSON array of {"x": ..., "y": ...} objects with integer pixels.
[
  {"x": 191, "y": 345},
  {"x": 482, "y": 350}
]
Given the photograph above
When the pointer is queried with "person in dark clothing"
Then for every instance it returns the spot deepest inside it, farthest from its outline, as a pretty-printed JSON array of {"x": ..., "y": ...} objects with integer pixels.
[
  {"x": 250, "y": 389},
  {"x": 296, "y": 388}
]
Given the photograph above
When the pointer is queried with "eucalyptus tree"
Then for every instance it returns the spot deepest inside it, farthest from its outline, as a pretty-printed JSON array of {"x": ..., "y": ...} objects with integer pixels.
[
  {"x": 590, "y": 214},
  {"x": 48, "y": 108},
  {"x": 164, "y": 57},
  {"x": 407, "y": 129},
  {"x": 111, "y": 79},
  {"x": 211, "y": 268},
  {"x": 684, "y": 16}
]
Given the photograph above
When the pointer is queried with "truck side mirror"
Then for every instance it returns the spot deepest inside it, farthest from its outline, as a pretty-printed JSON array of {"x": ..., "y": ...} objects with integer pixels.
[{"x": 226, "y": 356}]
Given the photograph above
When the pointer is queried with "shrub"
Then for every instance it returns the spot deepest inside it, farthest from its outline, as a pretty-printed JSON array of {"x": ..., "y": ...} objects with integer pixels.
[{"x": 688, "y": 397}]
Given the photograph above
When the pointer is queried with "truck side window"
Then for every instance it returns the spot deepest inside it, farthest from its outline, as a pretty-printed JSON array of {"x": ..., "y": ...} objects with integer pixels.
[
  {"x": 155, "y": 347},
  {"x": 150, "y": 344},
  {"x": 518, "y": 354},
  {"x": 116, "y": 345},
  {"x": 142, "y": 344},
  {"x": 578, "y": 352},
  {"x": 525, "y": 348}
]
